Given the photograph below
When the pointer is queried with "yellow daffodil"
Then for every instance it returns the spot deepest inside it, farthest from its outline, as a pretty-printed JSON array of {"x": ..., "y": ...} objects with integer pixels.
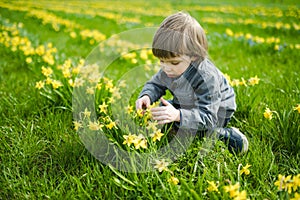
[
  {"x": 122, "y": 83},
  {"x": 48, "y": 58},
  {"x": 129, "y": 139},
  {"x": 94, "y": 126},
  {"x": 28, "y": 60},
  {"x": 268, "y": 114},
  {"x": 253, "y": 80},
  {"x": 111, "y": 125},
  {"x": 173, "y": 180},
  {"x": 103, "y": 108},
  {"x": 296, "y": 196},
  {"x": 241, "y": 195},
  {"x": 86, "y": 113},
  {"x": 129, "y": 55},
  {"x": 71, "y": 82},
  {"x": 140, "y": 112},
  {"x": 111, "y": 100},
  {"x": 235, "y": 82},
  {"x": 129, "y": 109},
  {"x": 245, "y": 170},
  {"x": 229, "y": 32},
  {"x": 284, "y": 183},
  {"x": 90, "y": 90},
  {"x": 297, "y": 108},
  {"x": 152, "y": 125},
  {"x": 109, "y": 84},
  {"x": 243, "y": 82},
  {"x": 77, "y": 125},
  {"x": 99, "y": 86},
  {"x": 40, "y": 50},
  {"x": 76, "y": 70},
  {"x": 46, "y": 71},
  {"x": 161, "y": 165},
  {"x": 140, "y": 142},
  {"x": 147, "y": 67},
  {"x": 66, "y": 73},
  {"x": 39, "y": 84},
  {"x": 79, "y": 82},
  {"x": 115, "y": 92},
  {"x": 144, "y": 54},
  {"x": 156, "y": 135},
  {"x": 134, "y": 60},
  {"x": 48, "y": 81},
  {"x": 296, "y": 182},
  {"x": 73, "y": 34},
  {"x": 212, "y": 187},
  {"x": 232, "y": 189},
  {"x": 56, "y": 84}
]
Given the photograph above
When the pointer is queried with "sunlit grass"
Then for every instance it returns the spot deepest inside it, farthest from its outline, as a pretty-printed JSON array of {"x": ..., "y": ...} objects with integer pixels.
[{"x": 43, "y": 157}]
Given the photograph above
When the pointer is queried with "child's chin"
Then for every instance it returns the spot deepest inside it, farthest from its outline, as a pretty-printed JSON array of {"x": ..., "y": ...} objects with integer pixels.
[{"x": 172, "y": 76}]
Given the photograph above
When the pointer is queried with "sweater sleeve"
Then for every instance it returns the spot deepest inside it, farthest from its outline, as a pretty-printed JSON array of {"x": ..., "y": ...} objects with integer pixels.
[
  {"x": 208, "y": 99},
  {"x": 154, "y": 88}
]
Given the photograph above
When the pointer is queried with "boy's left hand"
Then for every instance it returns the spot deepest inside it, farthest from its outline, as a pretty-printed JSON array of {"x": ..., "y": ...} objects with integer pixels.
[{"x": 165, "y": 114}]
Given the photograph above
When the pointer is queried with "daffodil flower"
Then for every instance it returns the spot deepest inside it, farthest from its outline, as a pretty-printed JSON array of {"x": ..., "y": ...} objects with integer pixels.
[
  {"x": 86, "y": 113},
  {"x": 161, "y": 165},
  {"x": 140, "y": 142},
  {"x": 129, "y": 139},
  {"x": 129, "y": 109},
  {"x": 297, "y": 108},
  {"x": 212, "y": 187},
  {"x": 46, "y": 71},
  {"x": 94, "y": 126},
  {"x": 152, "y": 125},
  {"x": 39, "y": 85},
  {"x": 268, "y": 114},
  {"x": 173, "y": 180},
  {"x": 77, "y": 125},
  {"x": 157, "y": 135},
  {"x": 245, "y": 170},
  {"x": 103, "y": 108},
  {"x": 253, "y": 80},
  {"x": 232, "y": 189},
  {"x": 111, "y": 125}
]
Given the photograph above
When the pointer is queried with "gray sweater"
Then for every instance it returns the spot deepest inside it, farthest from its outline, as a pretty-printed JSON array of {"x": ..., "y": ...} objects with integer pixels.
[{"x": 202, "y": 94}]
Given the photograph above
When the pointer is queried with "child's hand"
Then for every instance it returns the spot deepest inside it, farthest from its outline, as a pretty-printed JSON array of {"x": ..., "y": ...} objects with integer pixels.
[
  {"x": 165, "y": 114},
  {"x": 143, "y": 102}
]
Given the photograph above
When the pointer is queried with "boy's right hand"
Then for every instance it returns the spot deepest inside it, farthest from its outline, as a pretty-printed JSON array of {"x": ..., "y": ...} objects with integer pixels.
[{"x": 143, "y": 102}]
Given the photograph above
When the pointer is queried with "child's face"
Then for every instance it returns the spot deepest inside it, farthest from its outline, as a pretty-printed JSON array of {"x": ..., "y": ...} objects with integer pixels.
[{"x": 174, "y": 67}]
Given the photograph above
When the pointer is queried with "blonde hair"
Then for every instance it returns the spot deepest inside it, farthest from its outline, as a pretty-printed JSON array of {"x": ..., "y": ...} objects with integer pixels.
[{"x": 180, "y": 34}]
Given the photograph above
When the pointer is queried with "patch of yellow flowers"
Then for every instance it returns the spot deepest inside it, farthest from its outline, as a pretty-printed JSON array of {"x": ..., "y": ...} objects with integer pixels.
[
  {"x": 242, "y": 82},
  {"x": 275, "y": 41},
  {"x": 233, "y": 190},
  {"x": 289, "y": 184}
]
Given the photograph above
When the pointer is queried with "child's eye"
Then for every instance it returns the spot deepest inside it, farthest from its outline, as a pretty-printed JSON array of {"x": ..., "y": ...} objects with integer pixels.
[{"x": 174, "y": 63}]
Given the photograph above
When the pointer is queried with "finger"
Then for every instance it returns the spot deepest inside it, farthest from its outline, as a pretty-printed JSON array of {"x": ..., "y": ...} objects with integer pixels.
[
  {"x": 146, "y": 104},
  {"x": 137, "y": 106},
  {"x": 164, "y": 102},
  {"x": 163, "y": 122},
  {"x": 158, "y": 109},
  {"x": 158, "y": 117}
]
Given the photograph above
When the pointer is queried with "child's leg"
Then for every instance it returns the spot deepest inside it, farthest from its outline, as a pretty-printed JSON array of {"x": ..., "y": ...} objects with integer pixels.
[{"x": 237, "y": 142}]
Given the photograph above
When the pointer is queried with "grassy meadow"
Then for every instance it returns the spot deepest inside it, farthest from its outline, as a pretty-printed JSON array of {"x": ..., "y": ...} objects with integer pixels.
[{"x": 44, "y": 46}]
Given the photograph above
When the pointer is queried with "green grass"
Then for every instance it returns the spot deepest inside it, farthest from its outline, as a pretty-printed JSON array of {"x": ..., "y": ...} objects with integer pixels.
[{"x": 42, "y": 156}]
